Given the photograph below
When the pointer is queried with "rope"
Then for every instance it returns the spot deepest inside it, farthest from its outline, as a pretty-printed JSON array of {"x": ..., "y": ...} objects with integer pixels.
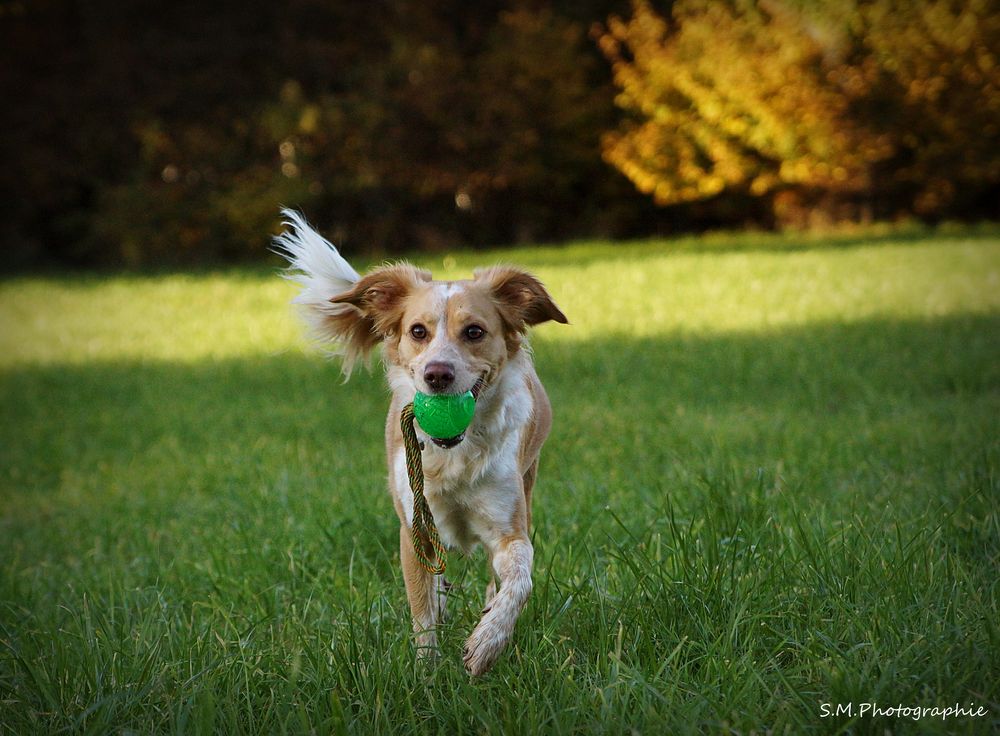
[
  {"x": 427, "y": 545},
  {"x": 426, "y": 542}
]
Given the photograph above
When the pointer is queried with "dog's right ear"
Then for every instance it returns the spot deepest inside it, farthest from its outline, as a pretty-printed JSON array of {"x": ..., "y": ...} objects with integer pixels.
[{"x": 373, "y": 308}]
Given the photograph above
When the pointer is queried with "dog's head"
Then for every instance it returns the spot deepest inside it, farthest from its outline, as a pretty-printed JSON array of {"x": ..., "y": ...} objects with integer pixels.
[{"x": 443, "y": 334}]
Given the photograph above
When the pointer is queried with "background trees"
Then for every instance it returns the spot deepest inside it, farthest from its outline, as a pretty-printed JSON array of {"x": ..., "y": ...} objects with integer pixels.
[
  {"x": 145, "y": 132},
  {"x": 852, "y": 108}
]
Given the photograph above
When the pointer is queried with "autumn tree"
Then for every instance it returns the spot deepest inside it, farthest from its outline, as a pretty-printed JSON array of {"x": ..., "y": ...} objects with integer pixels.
[
  {"x": 932, "y": 73},
  {"x": 794, "y": 100}
]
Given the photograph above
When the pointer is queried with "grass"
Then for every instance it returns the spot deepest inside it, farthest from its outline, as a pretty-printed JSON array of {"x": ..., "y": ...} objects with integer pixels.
[{"x": 772, "y": 484}]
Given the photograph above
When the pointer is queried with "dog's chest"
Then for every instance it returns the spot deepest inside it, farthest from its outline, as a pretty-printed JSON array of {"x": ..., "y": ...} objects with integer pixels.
[
  {"x": 474, "y": 491},
  {"x": 472, "y": 488}
]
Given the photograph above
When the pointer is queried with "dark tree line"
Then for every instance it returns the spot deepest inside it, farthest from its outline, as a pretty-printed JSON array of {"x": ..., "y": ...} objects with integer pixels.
[{"x": 138, "y": 132}]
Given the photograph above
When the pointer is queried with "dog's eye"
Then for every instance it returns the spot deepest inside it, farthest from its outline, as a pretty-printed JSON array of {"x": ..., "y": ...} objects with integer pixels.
[
  {"x": 474, "y": 332},
  {"x": 418, "y": 332}
]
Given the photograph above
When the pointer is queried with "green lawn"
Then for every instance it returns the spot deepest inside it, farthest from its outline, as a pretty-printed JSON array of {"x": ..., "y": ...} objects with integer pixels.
[{"x": 773, "y": 483}]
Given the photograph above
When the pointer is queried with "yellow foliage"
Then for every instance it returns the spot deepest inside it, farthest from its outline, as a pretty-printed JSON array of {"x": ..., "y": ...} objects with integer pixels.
[{"x": 762, "y": 96}]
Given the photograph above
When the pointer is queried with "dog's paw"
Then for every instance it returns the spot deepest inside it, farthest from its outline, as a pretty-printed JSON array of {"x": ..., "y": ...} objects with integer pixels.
[{"x": 483, "y": 647}]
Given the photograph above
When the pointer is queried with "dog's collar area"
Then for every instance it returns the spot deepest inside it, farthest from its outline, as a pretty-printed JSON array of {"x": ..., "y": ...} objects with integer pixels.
[{"x": 450, "y": 442}]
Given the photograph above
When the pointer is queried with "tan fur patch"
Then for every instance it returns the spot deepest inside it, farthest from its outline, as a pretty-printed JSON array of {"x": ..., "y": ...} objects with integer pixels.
[
  {"x": 520, "y": 298},
  {"x": 379, "y": 300}
]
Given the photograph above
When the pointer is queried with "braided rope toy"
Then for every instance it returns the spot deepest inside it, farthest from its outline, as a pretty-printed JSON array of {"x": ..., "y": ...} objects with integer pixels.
[{"x": 436, "y": 412}]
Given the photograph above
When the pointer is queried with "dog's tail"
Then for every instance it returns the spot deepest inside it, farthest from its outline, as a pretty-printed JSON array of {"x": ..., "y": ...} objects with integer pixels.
[{"x": 315, "y": 264}]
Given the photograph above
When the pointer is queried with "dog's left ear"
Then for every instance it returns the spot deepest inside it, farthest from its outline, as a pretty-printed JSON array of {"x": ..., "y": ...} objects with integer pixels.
[{"x": 520, "y": 297}]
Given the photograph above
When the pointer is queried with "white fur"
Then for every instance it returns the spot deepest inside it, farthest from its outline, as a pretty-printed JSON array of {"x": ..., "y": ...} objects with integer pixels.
[
  {"x": 512, "y": 564},
  {"x": 472, "y": 487},
  {"x": 318, "y": 267}
]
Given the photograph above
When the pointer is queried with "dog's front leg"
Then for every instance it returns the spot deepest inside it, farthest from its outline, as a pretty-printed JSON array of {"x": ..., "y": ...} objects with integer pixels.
[
  {"x": 512, "y": 556},
  {"x": 426, "y": 593}
]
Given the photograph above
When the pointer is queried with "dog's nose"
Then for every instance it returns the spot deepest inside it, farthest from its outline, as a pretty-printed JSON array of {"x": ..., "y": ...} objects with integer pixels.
[{"x": 439, "y": 375}]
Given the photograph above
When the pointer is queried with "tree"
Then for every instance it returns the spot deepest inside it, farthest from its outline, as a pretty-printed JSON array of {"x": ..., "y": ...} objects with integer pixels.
[
  {"x": 157, "y": 132},
  {"x": 838, "y": 101},
  {"x": 932, "y": 74}
]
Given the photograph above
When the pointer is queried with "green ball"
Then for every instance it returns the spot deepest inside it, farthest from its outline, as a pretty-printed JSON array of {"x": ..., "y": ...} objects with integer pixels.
[{"x": 444, "y": 416}]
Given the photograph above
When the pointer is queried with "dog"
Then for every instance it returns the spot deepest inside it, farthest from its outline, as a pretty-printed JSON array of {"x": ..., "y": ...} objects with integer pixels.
[{"x": 441, "y": 337}]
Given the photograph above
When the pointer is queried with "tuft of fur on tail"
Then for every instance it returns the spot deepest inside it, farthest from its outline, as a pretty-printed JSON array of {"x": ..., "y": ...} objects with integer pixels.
[{"x": 315, "y": 264}]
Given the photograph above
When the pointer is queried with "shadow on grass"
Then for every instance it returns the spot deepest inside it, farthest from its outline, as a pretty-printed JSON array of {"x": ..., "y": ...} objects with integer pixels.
[{"x": 625, "y": 407}]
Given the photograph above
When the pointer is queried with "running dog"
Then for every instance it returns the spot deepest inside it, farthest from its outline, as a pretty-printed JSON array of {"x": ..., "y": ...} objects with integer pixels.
[{"x": 442, "y": 337}]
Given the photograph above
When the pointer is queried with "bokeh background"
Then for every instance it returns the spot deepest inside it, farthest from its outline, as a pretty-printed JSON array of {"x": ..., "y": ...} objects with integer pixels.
[{"x": 143, "y": 133}]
